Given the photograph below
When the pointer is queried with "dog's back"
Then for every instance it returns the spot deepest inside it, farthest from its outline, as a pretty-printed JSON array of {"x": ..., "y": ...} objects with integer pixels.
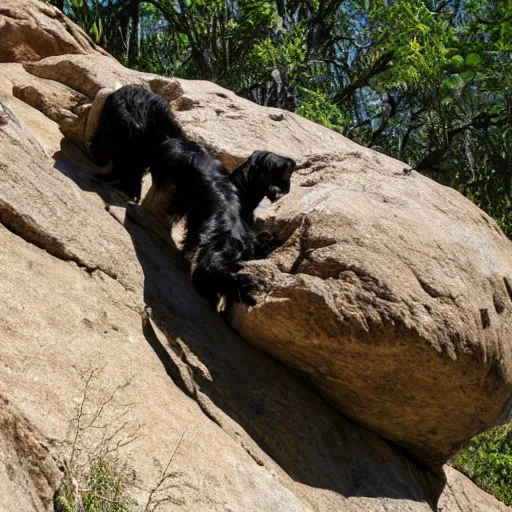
[
  {"x": 140, "y": 116},
  {"x": 134, "y": 121},
  {"x": 205, "y": 193},
  {"x": 216, "y": 233}
]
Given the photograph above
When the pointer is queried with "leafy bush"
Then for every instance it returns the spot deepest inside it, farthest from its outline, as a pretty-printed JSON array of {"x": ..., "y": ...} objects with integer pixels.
[{"x": 487, "y": 460}]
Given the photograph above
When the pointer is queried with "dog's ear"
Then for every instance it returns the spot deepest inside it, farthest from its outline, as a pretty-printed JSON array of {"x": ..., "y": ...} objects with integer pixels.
[
  {"x": 288, "y": 167},
  {"x": 292, "y": 165},
  {"x": 253, "y": 164},
  {"x": 259, "y": 158}
]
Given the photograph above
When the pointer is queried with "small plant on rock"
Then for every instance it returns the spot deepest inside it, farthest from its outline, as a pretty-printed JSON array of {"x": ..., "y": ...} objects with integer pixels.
[
  {"x": 95, "y": 478},
  {"x": 102, "y": 488}
]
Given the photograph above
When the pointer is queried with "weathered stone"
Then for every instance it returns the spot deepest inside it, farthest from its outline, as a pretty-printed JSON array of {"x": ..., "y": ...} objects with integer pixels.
[
  {"x": 90, "y": 73},
  {"x": 31, "y": 30},
  {"x": 60, "y": 220},
  {"x": 461, "y": 493},
  {"x": 378, "y": 295},
  {"x": 232, "y": 128},
  {"x": 56, "y": 101},
  {"x": 28, "y": 472},
  {"x": 94, "y": 288},
  {"x": 44, "y": 130}
]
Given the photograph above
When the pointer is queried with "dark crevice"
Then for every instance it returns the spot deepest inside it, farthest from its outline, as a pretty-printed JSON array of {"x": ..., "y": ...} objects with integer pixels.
[
  {"x": 499, "y": 303},
  {"x": 303, "y": 254},
  {"x": 171, "y": 367},
  {"x": 427, "y": 288},
  {"x": 508, "y": 286},
  {"x": 485, "y": 318}
]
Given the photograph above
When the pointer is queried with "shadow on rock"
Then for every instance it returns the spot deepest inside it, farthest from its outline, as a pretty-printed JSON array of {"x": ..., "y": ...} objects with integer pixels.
[
  {"x": 75, "y": 165},
  {"x": 254, "y": 398}
]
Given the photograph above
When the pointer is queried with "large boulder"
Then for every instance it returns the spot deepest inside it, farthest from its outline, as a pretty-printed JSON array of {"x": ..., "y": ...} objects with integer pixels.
[
  {"x": 33, "y": 29},
  {"x": 391, "y": 293}
]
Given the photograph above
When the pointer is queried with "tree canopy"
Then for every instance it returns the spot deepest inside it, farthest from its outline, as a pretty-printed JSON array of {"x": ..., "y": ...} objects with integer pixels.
[{"x": 425, "y": 81}]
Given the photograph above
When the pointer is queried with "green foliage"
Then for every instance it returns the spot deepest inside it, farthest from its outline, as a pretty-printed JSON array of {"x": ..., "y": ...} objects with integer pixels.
[
  {"x": 216, "y": 37},
  {"x": 318, "y": 107},
  {"x": 102, "y": 488},
  {"x": 424, "y": 81},
  {"x": 91, "y": 15},
  {"x": 488, "y": 462}
]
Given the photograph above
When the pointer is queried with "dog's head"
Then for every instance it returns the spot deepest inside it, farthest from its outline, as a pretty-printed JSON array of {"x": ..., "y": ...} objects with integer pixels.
[{"x": 273, "y": 173}]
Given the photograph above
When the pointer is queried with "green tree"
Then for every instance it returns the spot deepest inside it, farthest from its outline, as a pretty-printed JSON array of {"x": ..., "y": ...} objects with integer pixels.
[
  {"x": 425, "y": 81},
  {"x": 113, "y": 24}
]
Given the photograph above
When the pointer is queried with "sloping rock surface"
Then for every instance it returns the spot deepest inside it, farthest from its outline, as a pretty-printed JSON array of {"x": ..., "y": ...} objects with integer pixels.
[
  {"x": 33, "y": 29},
  {"x": 98, "y": 315}
]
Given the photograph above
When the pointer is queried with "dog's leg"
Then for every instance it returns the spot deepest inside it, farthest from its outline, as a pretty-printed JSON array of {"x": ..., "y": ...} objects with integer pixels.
[
  {"x": 264, "y": 243},
  {"x": 128, "y": 173},
  {"x": 131, "y": 184},
  {"x": 213, "y": 276}
]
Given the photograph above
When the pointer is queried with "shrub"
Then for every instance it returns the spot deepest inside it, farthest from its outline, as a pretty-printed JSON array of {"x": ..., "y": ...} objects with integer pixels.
[{"x": 487, "y": 460}]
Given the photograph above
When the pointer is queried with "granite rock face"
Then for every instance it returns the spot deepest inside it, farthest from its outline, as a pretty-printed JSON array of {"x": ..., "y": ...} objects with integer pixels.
[
  {"x": 33, "y": 29},
  {"x": 377, "y": 295}
]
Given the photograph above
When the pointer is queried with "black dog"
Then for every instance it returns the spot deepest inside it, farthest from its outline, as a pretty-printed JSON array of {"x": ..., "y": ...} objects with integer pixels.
[
  {"x": 134, "y": 121},
  {"x": 217, "y": 238},
  {"x": 263, "y": 174},
  {"x": 137, "y": 130}
]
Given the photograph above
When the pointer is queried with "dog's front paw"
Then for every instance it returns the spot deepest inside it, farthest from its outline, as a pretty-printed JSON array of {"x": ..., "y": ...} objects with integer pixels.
[{"x": 246, "y": 287}]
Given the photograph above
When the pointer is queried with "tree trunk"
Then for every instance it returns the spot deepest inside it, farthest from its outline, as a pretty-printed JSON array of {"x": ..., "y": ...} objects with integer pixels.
[{"x": 133, "y": 43}]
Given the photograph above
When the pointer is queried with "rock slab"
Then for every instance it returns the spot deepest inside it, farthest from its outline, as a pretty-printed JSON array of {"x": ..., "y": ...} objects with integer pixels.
[
  {"x": 95, "y": 295},
  {"x": 31, "y": 30}
]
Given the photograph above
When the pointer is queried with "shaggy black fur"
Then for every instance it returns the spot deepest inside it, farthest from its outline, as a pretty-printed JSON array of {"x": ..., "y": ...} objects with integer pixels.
[
  {"x": 136, "y": 131},
  {"x": 262, "y": 174},
  {"x": 217, "y": 236},
  {"x": 133, "y": 123}
]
